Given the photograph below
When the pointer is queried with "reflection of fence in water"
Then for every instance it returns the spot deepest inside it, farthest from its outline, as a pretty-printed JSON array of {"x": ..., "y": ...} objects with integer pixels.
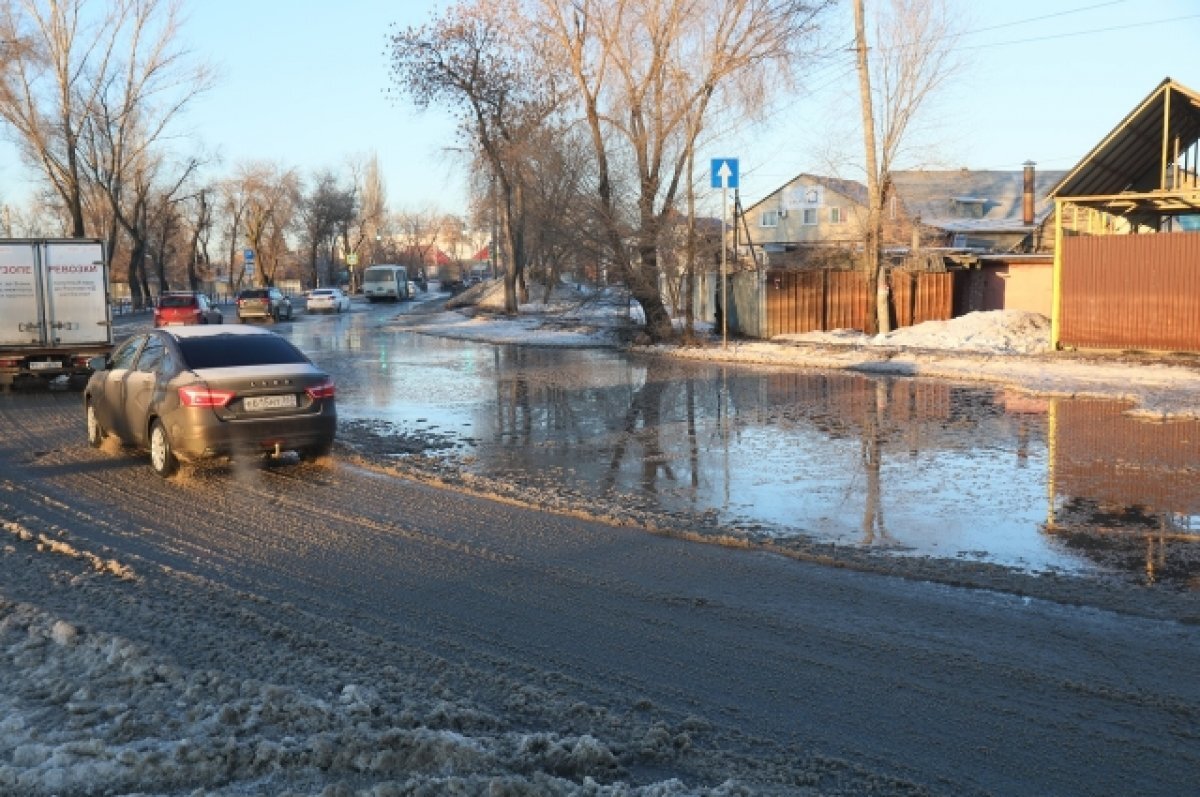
[
  {"x": 1123, "y": 491},
  {"x": 1115, "y": 460}
]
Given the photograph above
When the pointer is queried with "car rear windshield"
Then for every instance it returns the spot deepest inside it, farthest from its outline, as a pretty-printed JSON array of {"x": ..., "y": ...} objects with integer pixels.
[
  {"x": 223, "y": 351},
  {"x": 252, "y": 295},
  {"x": 177, "y": 301}
]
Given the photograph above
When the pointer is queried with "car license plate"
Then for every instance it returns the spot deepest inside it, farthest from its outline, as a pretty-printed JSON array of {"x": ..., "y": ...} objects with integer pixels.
[
  {"x": 44, "y": 365},
  {"x": 259, "y": 403}
]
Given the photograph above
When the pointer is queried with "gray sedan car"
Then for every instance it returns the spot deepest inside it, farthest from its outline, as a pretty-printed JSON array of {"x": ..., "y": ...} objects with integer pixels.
[{"x": 202, "y": 392}]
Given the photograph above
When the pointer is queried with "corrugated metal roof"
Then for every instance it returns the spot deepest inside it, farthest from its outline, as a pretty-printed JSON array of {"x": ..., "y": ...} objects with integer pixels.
[{"x": 1130, "y": 158}]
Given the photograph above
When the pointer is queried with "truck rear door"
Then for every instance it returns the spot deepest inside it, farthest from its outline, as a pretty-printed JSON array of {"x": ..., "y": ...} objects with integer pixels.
[
  {"x": 20, "y": 316},
  {"x": 77, "y": 289}
]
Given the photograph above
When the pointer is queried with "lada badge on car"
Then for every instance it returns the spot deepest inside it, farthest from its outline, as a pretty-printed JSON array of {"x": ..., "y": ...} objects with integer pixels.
[
  {"x": 257, "y": 403},
  {"x": 270, "y": 382}
]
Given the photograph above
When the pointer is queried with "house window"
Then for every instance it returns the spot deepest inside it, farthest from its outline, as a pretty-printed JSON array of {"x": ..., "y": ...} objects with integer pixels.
[
  {"x": 836, "y": 216},
  {"x": 769, "y": 218},
  {"x": 810, "y": 215}
]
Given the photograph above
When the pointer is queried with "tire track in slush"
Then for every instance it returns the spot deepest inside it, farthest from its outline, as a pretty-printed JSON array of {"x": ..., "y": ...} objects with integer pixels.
[{"x": 142, "y": 497}]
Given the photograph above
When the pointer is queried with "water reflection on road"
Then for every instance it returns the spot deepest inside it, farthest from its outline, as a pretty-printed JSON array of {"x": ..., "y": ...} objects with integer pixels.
[{"x": 915, "y": 467}]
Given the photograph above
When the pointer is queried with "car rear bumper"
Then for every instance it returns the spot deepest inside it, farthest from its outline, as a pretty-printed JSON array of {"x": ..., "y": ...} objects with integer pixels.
[{"x": 215, "y": 438}]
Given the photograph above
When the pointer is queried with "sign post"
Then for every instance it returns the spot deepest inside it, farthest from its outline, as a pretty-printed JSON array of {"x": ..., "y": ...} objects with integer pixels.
[
  {"x": 351, "y": 262},
  {"x": 724, "y": 172}
]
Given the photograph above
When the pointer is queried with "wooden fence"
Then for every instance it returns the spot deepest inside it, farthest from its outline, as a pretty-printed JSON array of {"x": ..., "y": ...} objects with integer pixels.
[
  {"x": 806, "y": 301},
  {"x": 1131, "y": 292}
]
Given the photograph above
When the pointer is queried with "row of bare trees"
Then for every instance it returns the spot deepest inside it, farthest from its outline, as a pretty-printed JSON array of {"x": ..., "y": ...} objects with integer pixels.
[
  {"x": 596, "y": 108},
  {"x": 92, "y": 92},
  {"x": 587, "y": 115}
]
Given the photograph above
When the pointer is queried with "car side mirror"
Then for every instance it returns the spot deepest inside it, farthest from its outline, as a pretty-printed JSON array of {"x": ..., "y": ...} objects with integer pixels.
[{"x": 99, "y": 363}]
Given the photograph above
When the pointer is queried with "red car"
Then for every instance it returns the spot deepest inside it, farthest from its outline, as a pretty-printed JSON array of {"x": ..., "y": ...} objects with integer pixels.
[{"x": 172, "y": 309}]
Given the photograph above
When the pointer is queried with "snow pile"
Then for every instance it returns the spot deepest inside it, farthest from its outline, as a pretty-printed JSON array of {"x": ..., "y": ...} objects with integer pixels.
[
  {"x": 572, "y": 318},
  {"x": 90, "y": 713},
  {"x": 992, "y": 332}
]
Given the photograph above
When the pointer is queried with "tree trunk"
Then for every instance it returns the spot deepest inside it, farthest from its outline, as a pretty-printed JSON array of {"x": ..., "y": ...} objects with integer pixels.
[
  {"x": 878, "y": 318},
  {"x": 643, "y": 285}
]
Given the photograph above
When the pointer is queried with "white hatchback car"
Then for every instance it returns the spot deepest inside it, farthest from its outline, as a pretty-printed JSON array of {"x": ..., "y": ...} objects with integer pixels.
[{"x": 328, "y": 300}]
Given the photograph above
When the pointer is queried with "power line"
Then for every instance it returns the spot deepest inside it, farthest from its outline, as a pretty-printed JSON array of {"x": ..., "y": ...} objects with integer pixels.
[
  {"x": 1073, "y": 34},
  {"x": 1056, "y": 14}
]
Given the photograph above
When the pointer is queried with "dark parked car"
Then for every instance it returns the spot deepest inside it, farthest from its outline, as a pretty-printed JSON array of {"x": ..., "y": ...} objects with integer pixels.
[
  {"x": 185, "y": 307},
  {"x": 191, "y": 393},
  {"x": 267, "y": 303}
]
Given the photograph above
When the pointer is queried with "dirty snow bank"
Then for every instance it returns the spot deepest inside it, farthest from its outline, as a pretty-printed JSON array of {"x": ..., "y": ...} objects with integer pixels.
[
  {"x": 992, "y": 332},
  {"x": 92, "y": 713},
  {"x": 574, "y": 317}
]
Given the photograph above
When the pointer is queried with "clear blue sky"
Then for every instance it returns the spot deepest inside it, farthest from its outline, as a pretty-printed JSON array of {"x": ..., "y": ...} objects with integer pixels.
[{"x": 304, "y": 83}]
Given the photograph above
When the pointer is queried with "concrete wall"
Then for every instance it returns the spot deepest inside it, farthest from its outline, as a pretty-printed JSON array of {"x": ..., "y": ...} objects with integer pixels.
[{"x": 1019, "y": 285}]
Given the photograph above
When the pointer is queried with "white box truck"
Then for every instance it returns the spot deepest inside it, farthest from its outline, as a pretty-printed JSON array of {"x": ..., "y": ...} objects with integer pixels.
[{"x": 54, "y": 309}]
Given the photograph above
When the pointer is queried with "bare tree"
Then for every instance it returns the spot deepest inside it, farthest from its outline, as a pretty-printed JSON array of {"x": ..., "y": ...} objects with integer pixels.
[
  {"x": 81, "y": 65},
  {"x": 272, "y": 195},
  {"x": 646, "y": 75},
  {"x": 373, "y": 203},
  {"x": 561, "y": 206},
  {"x": 473, "y": 60},
  {"x": 232, "y": 204},
  {"x": 912, "y": 59},
  {"x": 417, "y": 232},
  {"x": 198, "y": 219},
  {"x": 322, "y": 212}
]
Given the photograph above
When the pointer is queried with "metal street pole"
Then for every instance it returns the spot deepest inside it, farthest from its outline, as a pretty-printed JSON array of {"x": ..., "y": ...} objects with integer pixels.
[{"x": 724, "y": 281}]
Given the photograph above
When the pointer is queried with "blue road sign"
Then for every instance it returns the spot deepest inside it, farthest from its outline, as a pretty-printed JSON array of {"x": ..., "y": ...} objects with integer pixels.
[
  {"x": 724, "y": 172},
  {"x": 248, "y": 255}
]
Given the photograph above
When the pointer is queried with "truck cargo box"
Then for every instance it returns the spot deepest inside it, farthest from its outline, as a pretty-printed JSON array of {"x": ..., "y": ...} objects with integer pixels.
[{"x": 54, "y": 308}]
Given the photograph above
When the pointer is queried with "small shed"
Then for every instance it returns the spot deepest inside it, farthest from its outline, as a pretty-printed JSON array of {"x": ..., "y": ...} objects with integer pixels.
[{"x": 1127, "y": 233}]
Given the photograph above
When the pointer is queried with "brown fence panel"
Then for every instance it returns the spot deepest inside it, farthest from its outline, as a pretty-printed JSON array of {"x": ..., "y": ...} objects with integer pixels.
[
  {"x": 918, "y": 297},
  {"x": 1131, "y": 292},
  {"x": 804, "y": 301},
  {"x": 795, "y": 301},
  {"x": 846, "y": 300}
]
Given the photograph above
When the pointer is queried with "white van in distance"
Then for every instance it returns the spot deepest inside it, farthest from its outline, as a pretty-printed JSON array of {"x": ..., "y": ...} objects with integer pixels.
[{"x": 385, "y": 283}]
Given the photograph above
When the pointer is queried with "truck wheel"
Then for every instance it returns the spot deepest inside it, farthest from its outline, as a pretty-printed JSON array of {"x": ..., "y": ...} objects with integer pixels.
[
  {"x": 162, "y": 458},
  {"x": 95, "y": 432}
]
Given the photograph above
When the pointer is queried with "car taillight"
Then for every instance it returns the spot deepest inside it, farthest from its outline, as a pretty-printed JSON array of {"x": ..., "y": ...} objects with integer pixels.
[
  {"x": 197, "y": 396},
  {"x": 322, "y": 391},
  {"x": 10, "y": 362}
]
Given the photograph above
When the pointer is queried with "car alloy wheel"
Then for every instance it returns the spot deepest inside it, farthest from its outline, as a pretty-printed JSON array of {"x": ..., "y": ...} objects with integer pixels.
[
  {"x": 162, "y": 458},
  {"x": 95, "y": 433}
]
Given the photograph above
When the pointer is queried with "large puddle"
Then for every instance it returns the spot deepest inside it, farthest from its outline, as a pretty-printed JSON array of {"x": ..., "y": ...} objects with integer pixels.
[{"x": 908, "y": 466}]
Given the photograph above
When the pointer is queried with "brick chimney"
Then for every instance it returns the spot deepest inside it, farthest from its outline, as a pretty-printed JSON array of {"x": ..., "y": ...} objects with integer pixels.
[{"x": 1027, "y": 209}]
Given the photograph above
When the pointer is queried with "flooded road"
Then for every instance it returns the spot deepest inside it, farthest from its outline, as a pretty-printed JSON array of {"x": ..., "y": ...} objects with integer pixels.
[{"x": 902, "y": 466}]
